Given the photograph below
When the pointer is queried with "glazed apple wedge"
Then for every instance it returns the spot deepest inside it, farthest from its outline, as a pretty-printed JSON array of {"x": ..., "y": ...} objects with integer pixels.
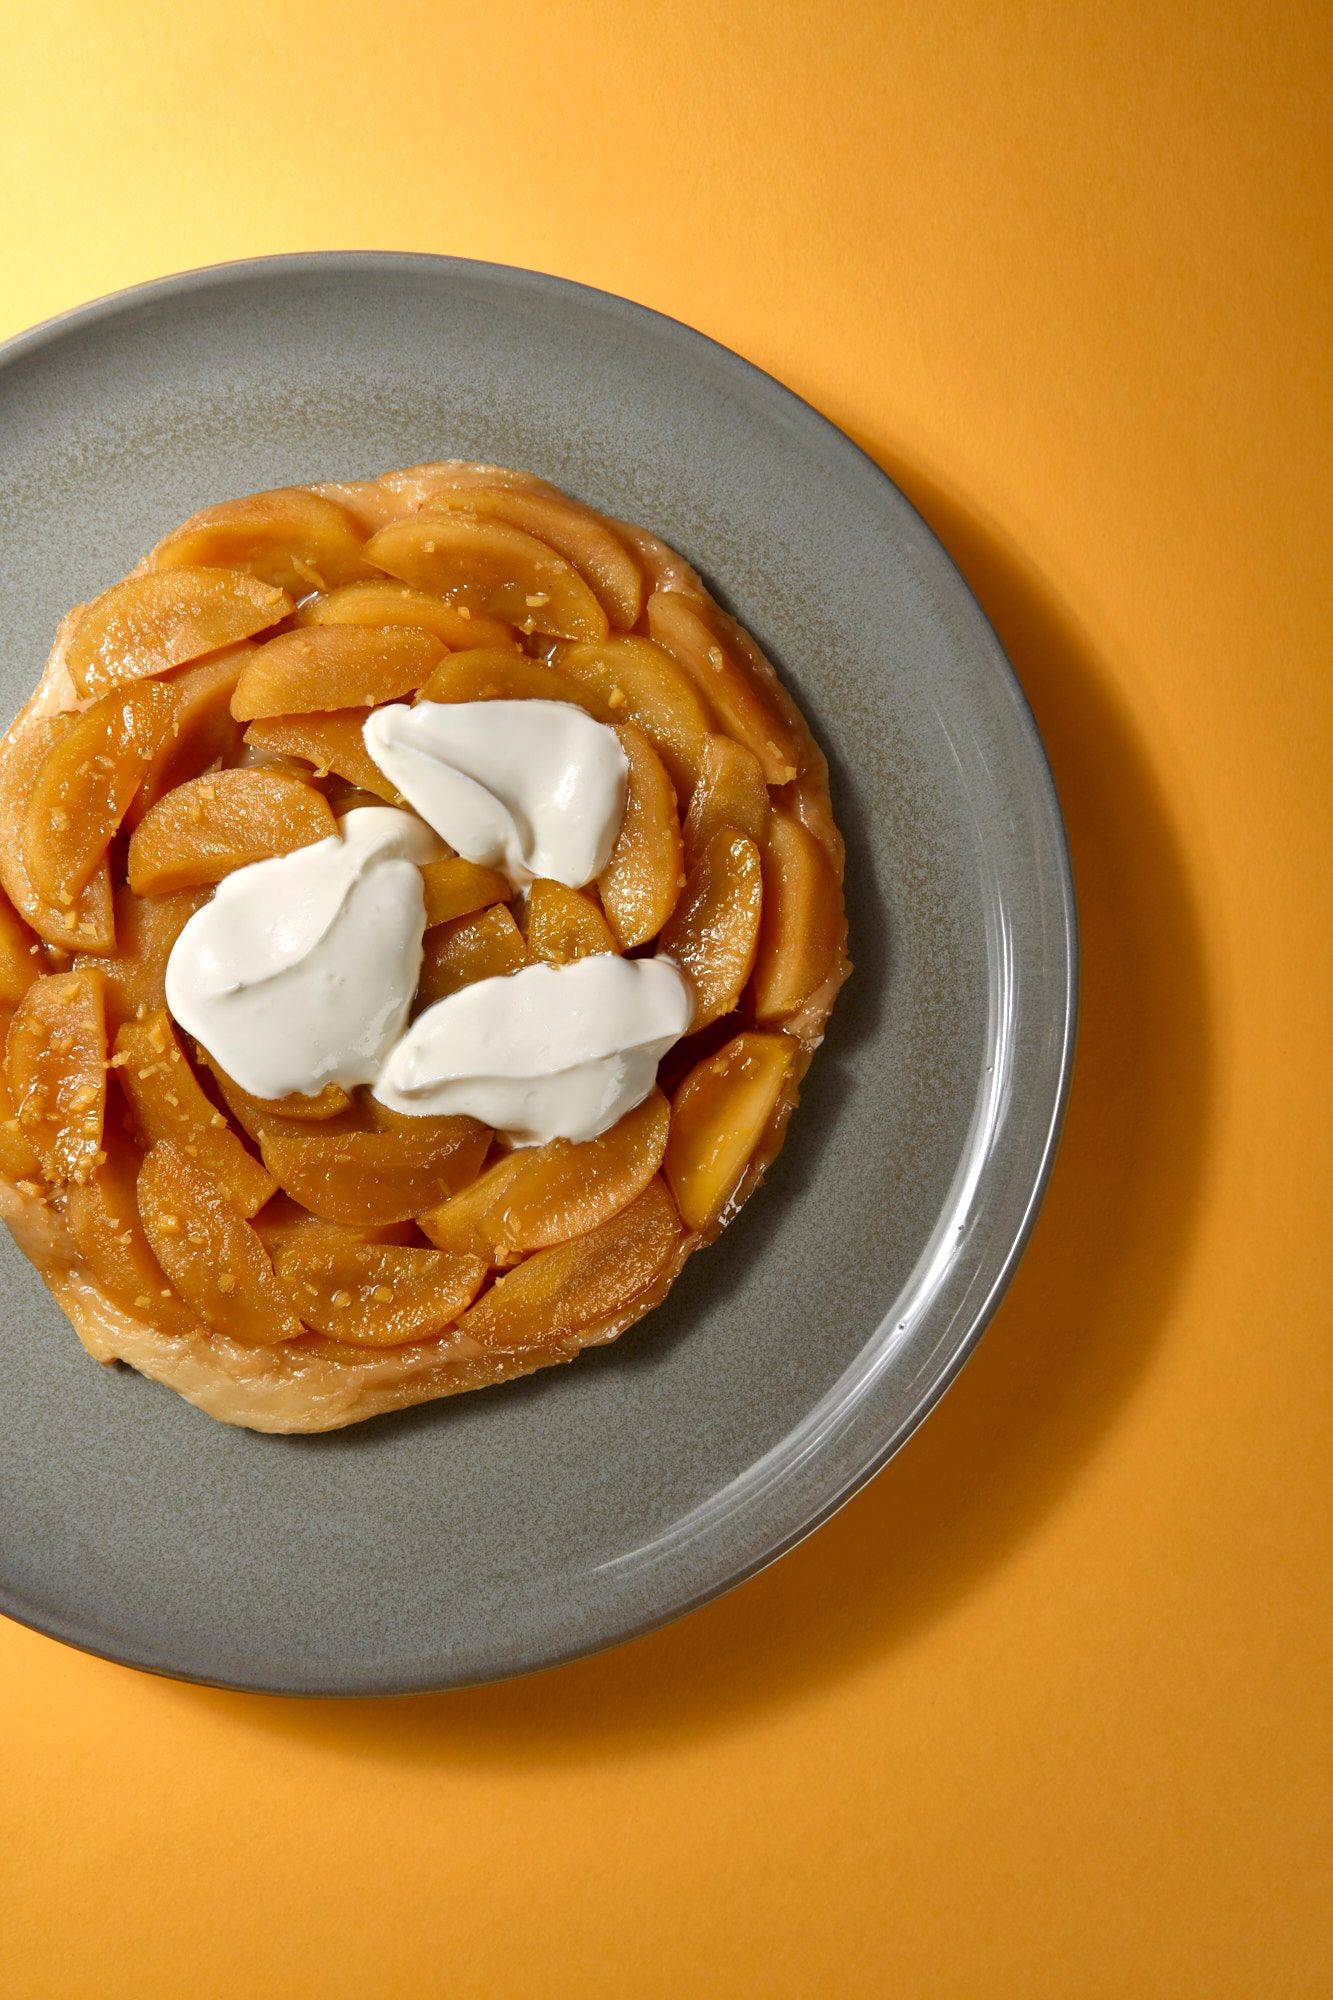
[
  {"x": 489, "y": 566},
  {"x": 543, "y": 1195},
  {"x": 166, "y": 618},
  {"x": 326, "y": 667},
  {"x": 169, "y": 1103},
  {"x": 801, "y": 934},
  {"x": 55, "y": 1069},
  {"x": 714, "y": 933},
  {"x": 722, "y": 1113},
  {"x": 642, "y": 881},
  {"x": 213, "y": 1257},
  {"x": 222, "y": 821},
  {"x": 380, "y": 602},
  {"x": 560, "y": 925},
  {"x": 296, "y": 540}
]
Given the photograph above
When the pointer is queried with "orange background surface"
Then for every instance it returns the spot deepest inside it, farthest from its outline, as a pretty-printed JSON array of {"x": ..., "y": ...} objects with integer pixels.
[{"x": 1044, "y": 1711}]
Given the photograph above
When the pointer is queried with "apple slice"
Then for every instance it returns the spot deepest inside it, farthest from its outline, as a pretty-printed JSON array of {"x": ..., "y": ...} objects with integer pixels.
[
  {"x": 168, "y": 1103},
  {"x": 491, "y": 567},
  {"x": 375, "y": 1294},
  {"x": 803, "y": 919},
  {"x": 215, "y": 1258},
  {"x": 202, "y": 730},
  {"x": 488, "y": 945},
  {"x": 102, "y": 1216},
  {"x": 331, "y": 743},
  {"x": 542, "y": 1195},
  {"x": 357, "y": 1177},
  {"x": 146, "y": 929},
  {"x": 325, "y": 667},
  {"x": 715, "y": 929},
  {"x": 84, "y": 783},
  {"x": 165, "y": 618},
  {"x": 18, "y": 1160},
  {"x": 734, "y": 693},
  {"x": 290, "y": 537},
  {"x": 642, "y": 881},
  {"x": 720, "y": 1115},
  {"x": 224, "y": 820},
  {"x": 456, "y": 888},
  {"x": 555, "y": 1295},
  {"x": 731, "y": 792},
  {"x": 487, "y": 675},
  {"x": 381, "y": 601},
  {"x": 55, "y": 1068},
  {"x": 261, "y": 1116},
  {"x": 581, "y": 537},
  {"x": 87, "y": 925},
  {"x": 19, "y": 964},
  {"x": 560, "y": 924},
  {"x": 633, "y": 680}
]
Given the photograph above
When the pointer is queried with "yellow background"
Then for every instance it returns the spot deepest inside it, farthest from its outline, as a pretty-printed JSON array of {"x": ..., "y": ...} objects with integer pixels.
[{"x": 1043, "y": 1713}]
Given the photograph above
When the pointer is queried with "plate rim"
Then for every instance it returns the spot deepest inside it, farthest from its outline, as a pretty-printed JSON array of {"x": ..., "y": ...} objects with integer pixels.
[{"x": 1065, "y": 1003}]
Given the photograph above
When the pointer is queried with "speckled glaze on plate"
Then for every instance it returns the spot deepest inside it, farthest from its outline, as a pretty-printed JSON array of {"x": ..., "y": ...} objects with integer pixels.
[{"x": 511, "y": 1529}]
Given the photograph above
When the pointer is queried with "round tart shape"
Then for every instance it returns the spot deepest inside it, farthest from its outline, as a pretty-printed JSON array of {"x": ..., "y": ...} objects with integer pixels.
[{"x": 305, "y": 1263}]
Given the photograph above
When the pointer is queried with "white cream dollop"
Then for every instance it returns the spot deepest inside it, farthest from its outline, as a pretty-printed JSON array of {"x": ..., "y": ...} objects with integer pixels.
[
  {"x": 550, "y": 1052},
  {"x": 301, "y": 970},
  {"x": 529, "y": 787}
]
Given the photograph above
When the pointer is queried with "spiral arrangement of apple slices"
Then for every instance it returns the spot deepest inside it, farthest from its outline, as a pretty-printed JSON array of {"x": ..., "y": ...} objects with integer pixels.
[{"x": 301, "y": 1264}]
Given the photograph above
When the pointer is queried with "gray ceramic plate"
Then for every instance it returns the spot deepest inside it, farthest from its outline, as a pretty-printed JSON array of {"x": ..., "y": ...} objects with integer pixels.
[{"x": 508, "y": 1530}]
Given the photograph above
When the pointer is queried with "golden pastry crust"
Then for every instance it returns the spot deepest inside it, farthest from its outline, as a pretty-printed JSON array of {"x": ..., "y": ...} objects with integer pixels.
[{"x": 354, "y": 555}]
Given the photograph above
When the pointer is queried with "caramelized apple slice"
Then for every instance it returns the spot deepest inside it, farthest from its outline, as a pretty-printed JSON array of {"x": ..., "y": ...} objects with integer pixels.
[
  {"x": 55, "y": 1067},
  {"x": 384, "y": 602},
  {"x": 165, "y": 1096},
  {"x": 486, "y": 946},
  {"x": 556, "y": 1294},
  {"x": 330, "y": 743},
  {"x": 165, "y": 618},
  {"x": 662, "y": 566},
  {"x": 88, "y": 924},
  {"x": 202, "y": 730},
  {"x": 375, "y": 1294},
  {"x": 642, "y": 880},
  {"x": 492, "y": 567},
  {"x": 574, "y": 532},
  {"x": 334, "y": 666},
  {"x": 561, "y": 924},
  {"x": 83, "y": 784},
  {"x": 18, "y": 955},
  {"x": 456, "y": 888},
  {"x": 102, "y": 1216},
  {"x": 359, "y": 1177},
  {"x": 215, "y": 1258},
  {"x": 224, "y": 820},
  {"x": 720, "y": 1115},
  {"x": 632, "y": 680},
  {"x": 18, "y": 1161},
  {"x": 547, "y": 1194},
  {"x": 730, "y": 792},
  {"x": 715, "y": 929},
  {"x": 743, "y": 707},
  {"x": 260, "y": 1116},
  {"x": 803, "y": 920},
  {"x": 146, "y": 929},
  {"x": 290, "y": 537},
  {"x": 488, "y": 675}
]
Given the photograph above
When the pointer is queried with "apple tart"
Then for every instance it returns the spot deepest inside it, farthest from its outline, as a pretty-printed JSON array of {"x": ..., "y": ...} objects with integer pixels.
[{"x": 390, "y": 667}]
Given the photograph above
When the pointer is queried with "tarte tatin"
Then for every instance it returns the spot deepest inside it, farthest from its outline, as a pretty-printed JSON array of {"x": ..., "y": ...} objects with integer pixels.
[{"x": 302, "y": 1263}]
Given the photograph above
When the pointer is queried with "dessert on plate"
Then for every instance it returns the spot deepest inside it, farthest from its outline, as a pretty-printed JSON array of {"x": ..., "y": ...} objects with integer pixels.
[{"x": 421, "y": 904}]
